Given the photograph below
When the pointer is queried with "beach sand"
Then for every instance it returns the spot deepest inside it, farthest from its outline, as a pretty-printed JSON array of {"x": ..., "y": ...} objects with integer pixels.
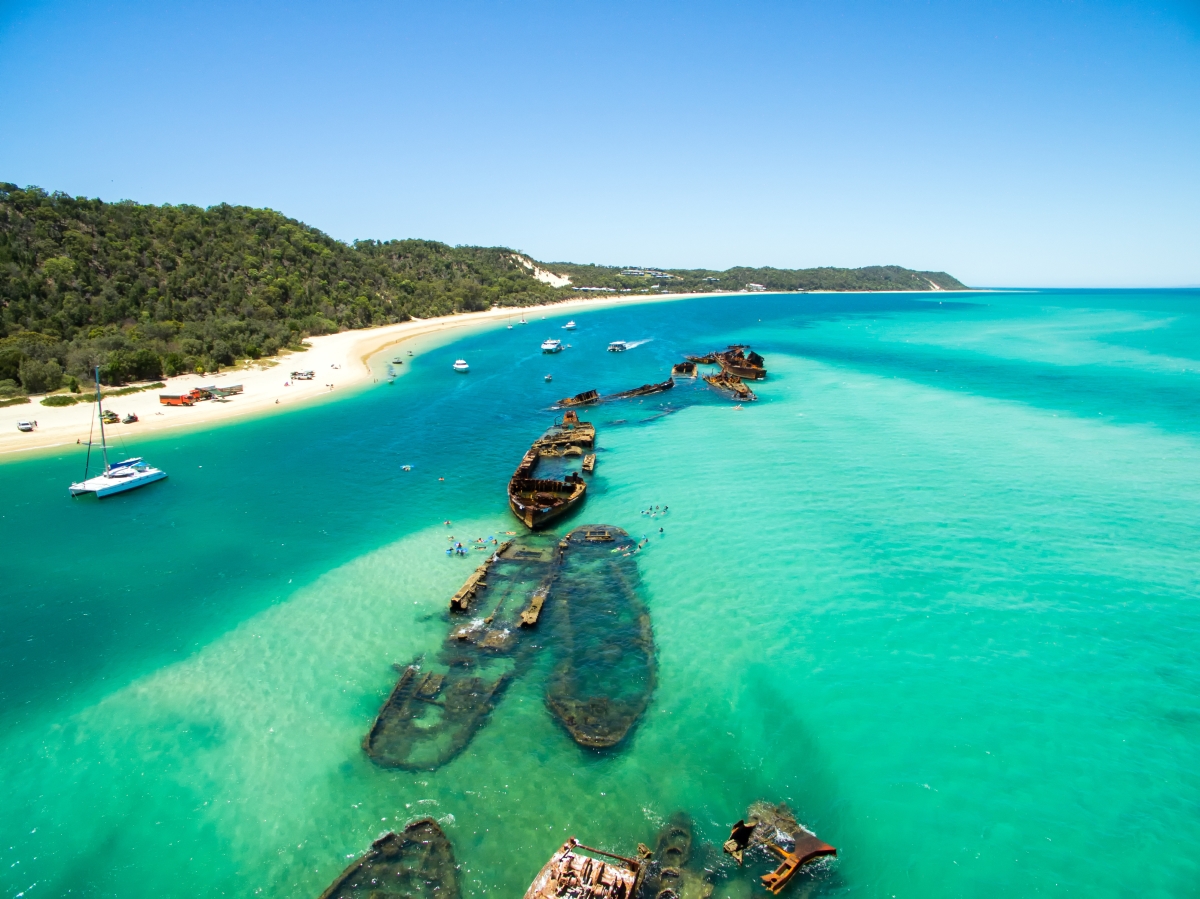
[{"x": 339, "y": 359}]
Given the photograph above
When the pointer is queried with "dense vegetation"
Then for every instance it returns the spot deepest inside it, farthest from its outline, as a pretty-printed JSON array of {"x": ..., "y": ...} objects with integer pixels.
[
  {"x": 874, "y": 277},
  {"x": 147, "y": 291}
]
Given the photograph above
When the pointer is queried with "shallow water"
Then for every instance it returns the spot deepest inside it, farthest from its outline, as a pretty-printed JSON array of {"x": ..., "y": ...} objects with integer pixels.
[{"x": 936, "y": 590}]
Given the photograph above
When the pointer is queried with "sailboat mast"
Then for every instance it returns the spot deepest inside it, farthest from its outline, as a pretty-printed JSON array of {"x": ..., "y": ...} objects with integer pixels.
[{"x": 100, "y": 410}]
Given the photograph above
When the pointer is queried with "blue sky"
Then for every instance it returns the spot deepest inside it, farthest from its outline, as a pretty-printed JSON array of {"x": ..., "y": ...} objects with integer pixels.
[{"x": 1009, "y": 143}]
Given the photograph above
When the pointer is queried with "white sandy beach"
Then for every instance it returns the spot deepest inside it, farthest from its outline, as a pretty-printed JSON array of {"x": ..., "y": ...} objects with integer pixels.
[{"x": 338, "y": 359}]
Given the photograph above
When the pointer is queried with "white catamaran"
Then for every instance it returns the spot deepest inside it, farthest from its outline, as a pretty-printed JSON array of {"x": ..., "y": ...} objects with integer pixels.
[{"x": 115, "y": 478}]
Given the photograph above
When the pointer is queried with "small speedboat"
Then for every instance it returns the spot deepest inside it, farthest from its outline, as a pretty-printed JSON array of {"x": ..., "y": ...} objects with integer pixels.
[
  {"x": 397, "y": 361},
  {"x": 618, "y": 346},
  {"x": 552, "y": 346},
  {"x": 461, "y": 365},
  {"x": 569, "y": 326},
  {"x": 549, "y": 377}
]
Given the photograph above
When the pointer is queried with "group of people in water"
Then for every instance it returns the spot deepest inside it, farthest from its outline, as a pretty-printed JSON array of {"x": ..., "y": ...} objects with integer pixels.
[{"x": 456, "y": 548}]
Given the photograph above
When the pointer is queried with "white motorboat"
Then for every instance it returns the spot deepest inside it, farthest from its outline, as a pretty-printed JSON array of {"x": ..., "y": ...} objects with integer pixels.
[
  {"x": 569, "y": 326},
  {"x": 552, "y": 346},
  {"x": 618, "y": 346},
  {"x": 118, "y": 478},
  {"x": 460, "y": 365}
]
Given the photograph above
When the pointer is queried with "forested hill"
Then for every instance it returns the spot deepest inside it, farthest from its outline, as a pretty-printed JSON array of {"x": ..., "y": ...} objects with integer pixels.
[
  {"x": 873, "y": 277},
  {"x": 144, "y": 291}
]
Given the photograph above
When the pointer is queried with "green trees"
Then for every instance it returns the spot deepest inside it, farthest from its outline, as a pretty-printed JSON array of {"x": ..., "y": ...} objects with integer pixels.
[
  {"x": 146, "y": 291},
  {"x": 872, "y": 277},
  {"x": 40, "y": 377}
]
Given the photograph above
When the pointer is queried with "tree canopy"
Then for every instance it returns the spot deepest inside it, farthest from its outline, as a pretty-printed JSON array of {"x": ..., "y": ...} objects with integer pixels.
[{"x": 144, "y": 291}]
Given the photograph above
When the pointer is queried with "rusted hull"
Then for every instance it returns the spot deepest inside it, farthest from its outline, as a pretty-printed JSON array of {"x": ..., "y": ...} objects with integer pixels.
[
  {"x": 430, "y": 718},
  {"x": 683, "y": 370},
  {"x": 672, "y": 867},
  {"x": 581, "y": 399},
  {"x": 606, "y": 669},
  {"x": 745, "y": 372},
  {"x": 436, "y": 708},
  {"x": 644, "y": 390},
  {"x": 536, "y": 503},
  {"x": 774, "y": 828},
  {"x": 732, "y": 386},
  {"x": 572, "y": 874},
  {"x": 417, "y": 864}
]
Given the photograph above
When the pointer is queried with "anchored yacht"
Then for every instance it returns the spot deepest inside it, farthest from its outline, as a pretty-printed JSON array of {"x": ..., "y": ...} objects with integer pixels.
[
  {"x": 118, "y": 478},
  {"x": 552, "y": 346}
]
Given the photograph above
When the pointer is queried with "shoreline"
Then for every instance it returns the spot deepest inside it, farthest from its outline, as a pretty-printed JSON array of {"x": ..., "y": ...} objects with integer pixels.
[{"x": 342, "y": 360}]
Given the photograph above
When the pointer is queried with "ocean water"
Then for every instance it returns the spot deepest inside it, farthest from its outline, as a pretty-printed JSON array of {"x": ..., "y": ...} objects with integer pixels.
[{"x": 937, "y": 590}]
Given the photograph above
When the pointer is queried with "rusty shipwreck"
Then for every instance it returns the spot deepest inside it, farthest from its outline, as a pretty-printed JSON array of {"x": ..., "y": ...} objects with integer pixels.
[
  {"x": 537, "y": 501},
  {"x": 600, "y": 632}
]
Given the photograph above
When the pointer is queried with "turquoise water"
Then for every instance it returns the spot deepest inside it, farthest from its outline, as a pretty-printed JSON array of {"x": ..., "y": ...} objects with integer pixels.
[{"x": 936, "y": 590}]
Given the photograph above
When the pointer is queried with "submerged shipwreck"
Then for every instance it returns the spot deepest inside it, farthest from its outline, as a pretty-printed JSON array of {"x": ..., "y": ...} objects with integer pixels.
[
  {"x": 735, "y": 361},
  {"x": 679, "y": 866},
  {"x": 736, "y": 367},
  {"x": 591, "y": 397},
  {"x": 578, "y": 595},
  {"x": 600, "y": 631},
  {"x": 435, "y": 710},
  {"x": 774, "y": 831},
  {"x": 675, "y": 870},
  {"x": 731, "y": 385},
  {"x": 576, "y": 871},
  {"x": 416, "y": 864},
  {"x": 749, "y": 366},
  {"x": 538, "y": 501}
]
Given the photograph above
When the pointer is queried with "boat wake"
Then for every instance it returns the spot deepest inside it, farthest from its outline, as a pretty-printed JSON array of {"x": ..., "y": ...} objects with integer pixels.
[{"x": 630, "y": 344}]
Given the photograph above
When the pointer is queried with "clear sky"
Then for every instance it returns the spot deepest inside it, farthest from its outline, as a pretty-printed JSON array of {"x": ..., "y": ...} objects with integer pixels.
[{"x": 1008, "y": 143}]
